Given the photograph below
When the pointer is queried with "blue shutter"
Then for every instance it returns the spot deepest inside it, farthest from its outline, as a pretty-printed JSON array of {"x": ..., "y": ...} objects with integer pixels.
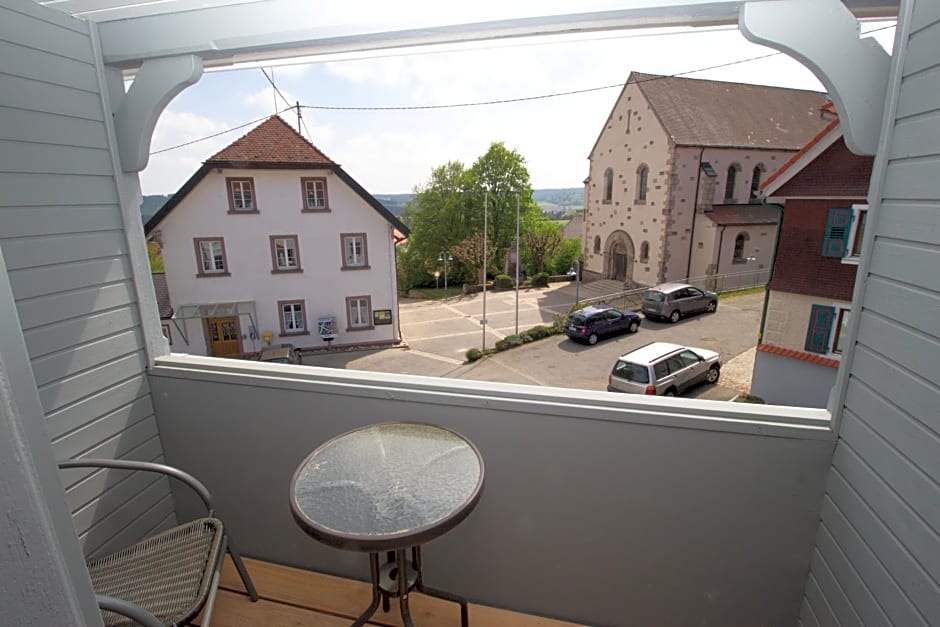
[
  {"x": 838, "y": 227},
  {"x": 820, "y": 329}
]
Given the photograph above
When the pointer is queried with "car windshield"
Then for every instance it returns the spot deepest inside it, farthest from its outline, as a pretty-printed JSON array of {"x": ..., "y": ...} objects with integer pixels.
[
  {"x": 656, "y": 297},
  {"x": 631, "y": 372}
]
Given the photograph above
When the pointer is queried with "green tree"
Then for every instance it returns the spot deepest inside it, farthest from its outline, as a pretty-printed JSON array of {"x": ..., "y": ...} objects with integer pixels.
[
  {"x": 500, "y": 176},
  {"x": 470, "y": 253},
  {"x": 566, "y": 255},
  {"x": 542, "y": 242},
  {"x": 156, "y": 257}
]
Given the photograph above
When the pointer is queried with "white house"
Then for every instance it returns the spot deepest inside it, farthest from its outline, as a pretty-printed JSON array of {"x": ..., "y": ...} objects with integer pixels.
[{"x": 271, "y": 242}]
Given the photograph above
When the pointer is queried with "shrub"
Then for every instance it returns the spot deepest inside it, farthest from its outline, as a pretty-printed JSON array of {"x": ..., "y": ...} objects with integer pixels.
[
  {"x": 503, "y": 282},
  {"x": 509, "y": 341},
  {"x": 473, "y": 354},
  {"x": 539, "y": 332},
  {"x": 526, "y": 338},
  {"x": 540, "y": 279}
]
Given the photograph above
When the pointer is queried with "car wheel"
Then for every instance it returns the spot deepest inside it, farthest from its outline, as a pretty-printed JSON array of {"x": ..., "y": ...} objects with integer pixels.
[
  {"x": 712, "y": 306},
  {"x": 674, "y": 316},
  {"x": 670, "y": 392},
  {"x": 712, "y": 375},
  {"x": 634, "y": 326},
  {"x": 592, "y": 339}
]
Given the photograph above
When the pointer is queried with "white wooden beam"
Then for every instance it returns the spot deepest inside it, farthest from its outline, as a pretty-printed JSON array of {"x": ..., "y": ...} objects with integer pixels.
[
  {"x": 824, "y": 36},
  {"x": 278, "y": 29}
]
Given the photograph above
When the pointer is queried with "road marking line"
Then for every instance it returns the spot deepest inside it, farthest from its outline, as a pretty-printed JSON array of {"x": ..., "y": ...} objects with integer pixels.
[{"x": 446, "y": 360}]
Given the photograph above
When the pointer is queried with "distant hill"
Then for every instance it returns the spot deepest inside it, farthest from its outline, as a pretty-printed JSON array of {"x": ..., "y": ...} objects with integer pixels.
[{"x": 551, "y": 200}]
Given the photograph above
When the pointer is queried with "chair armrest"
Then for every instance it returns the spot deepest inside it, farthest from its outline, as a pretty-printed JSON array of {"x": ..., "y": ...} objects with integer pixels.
[
  {"x": 128, "y": 609},
  {"x": 126, "y": 464}
]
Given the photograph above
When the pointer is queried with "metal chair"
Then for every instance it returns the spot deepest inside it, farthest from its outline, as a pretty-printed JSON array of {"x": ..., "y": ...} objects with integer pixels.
[{"x": 168, "y": 578}]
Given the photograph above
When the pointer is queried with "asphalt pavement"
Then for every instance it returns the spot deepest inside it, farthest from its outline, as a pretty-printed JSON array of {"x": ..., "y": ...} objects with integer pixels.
[{"x": 438, "y": 334}]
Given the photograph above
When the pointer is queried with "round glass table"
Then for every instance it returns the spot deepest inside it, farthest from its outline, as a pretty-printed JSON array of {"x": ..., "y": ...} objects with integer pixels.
[{"x": 389, "y": 487}]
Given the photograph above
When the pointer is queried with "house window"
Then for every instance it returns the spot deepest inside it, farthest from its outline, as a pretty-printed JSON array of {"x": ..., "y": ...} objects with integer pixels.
[
  {"x": 838, "y": 231},
  {"x": 285, "y": 253},
  {"x": 241, "y": 195},
  {"x": 355, "y": 252},
  {"x": 730, "y": 182},
  {"x": 642, "y": 178},
  {"x": 165, "y": 327},
  {"x": 629, "y": 115},
  {"x": 293, "y": 317},
  {"x": 645, "y": 252},
  {"x": 210, "y": 256},
  {"x": 739, "y": 243},
  {"x": 597, "y": 244},
  {"x": 314, "y": 193},
  {"x": 608, "y": 186},
  {"x": 857, "y": 233},
  {"x": 755, "y": 179},
  {"x": 826, "y": 334},
  {"x": 359, "y": 313}
]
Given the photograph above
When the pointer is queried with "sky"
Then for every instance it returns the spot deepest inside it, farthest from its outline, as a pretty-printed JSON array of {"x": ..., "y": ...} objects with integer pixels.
[{"x": 394, "y": 151}]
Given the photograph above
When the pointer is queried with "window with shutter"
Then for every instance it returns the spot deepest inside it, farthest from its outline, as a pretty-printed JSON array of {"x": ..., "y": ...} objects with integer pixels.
[
  {"x": 838, "y": 227},
  {"x": 820, "y": 328}
]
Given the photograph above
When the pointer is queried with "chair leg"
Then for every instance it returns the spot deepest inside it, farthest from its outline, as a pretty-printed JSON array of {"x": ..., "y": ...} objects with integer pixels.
[{"x": 242, "y": 571}]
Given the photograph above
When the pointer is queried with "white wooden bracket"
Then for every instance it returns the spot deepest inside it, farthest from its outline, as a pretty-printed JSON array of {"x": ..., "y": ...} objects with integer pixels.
[
  {"x": 156, "y": 83},
  {"x": 824, "y": 36}
]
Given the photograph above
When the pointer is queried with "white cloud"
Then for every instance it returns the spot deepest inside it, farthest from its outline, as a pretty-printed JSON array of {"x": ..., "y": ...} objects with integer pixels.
[
  {"x": 167, "y": 171},
  {"x": 265, "y": 100}
]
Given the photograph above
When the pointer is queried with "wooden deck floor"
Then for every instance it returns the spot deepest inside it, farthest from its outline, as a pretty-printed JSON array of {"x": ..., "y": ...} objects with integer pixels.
[{"x": 298, "y": 598}]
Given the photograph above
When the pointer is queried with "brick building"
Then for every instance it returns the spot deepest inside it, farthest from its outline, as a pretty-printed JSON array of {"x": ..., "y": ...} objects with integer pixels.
[{"x": 823, "y": 191}]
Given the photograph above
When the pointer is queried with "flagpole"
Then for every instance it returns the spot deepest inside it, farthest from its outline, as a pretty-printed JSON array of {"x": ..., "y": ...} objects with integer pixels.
[{"x": 486, "y": 197}]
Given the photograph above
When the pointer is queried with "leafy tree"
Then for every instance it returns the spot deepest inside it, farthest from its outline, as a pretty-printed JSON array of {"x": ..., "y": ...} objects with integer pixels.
[
  {"x": 470, "y": 253},
  {"x": 542, "y": 241},
  {"x": 500, "y": 176},
  {"x": 566, "y": 255},
  {"x": 156, "y": 257}
]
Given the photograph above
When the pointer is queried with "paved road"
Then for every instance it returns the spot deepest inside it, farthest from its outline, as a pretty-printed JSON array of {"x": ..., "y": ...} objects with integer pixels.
[{"x": 439, "y": 333}]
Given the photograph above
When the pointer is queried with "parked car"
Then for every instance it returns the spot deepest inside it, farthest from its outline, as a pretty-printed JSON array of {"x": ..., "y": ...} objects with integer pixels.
[
  {"x": 663, "y": 369},
  {"x": 592, "y": 323},
  {"x": 283, "y": 354},
  {"x": 673, "y": 301}
]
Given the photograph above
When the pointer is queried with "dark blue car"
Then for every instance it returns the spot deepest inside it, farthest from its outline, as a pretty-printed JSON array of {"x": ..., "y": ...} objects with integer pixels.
[{"x": 591, "y": 323}]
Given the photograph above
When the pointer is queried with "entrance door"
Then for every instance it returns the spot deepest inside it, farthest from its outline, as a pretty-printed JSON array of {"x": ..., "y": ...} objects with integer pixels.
[
  {"x": 224, "y": 337},
  {"x": 620, "y": 267}
]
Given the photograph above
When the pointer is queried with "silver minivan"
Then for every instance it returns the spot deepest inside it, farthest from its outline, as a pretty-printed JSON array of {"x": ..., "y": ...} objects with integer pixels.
[
  {"x": 674, "y": 301},
  {"x": 663, "y": 369}
]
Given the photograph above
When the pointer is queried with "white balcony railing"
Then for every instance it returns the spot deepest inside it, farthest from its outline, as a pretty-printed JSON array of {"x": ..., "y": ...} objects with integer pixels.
[{"x": 598, "y": 508}]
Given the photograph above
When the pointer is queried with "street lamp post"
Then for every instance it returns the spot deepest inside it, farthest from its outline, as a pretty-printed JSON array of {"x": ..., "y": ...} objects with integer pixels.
[{"x": 445, "y": 256}]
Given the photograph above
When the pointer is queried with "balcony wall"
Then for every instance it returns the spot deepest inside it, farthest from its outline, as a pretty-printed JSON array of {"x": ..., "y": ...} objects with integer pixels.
[{"x": 598, "y": 508}]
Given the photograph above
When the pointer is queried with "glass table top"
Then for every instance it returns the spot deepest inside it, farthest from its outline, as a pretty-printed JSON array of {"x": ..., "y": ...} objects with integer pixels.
[{"x": 387, "y": 485}]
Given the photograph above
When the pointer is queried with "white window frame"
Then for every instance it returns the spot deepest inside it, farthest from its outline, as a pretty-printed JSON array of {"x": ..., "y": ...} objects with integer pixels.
[
  {"x": 839, "y": 331},
  {"x": 352, "y": 258},
  {"x": 317, "y": 187},
  {"x": 212, "y": 244},
  {"x": 290, "y": 246},
  {"x": 241, "y": 185},
  {"x": 853, "y": 252},
  {"x": 296, "y": 310},
  {"x": 359, "y": 307}
]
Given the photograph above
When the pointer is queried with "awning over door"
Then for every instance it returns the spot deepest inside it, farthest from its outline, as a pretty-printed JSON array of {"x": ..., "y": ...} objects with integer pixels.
[{"x": 215, "y": 310}]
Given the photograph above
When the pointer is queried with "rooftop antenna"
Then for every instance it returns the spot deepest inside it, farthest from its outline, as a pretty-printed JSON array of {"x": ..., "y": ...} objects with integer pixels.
[{"x": 299, "y": 126}]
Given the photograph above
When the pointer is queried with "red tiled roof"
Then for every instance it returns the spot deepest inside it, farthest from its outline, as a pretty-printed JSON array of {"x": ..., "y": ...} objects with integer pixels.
[
  {"x": 796, "y": 157},
  {"x": 789, "y": 352},
  {"x": 742, "y": 214},
  {"x": 272, "y": 141}
]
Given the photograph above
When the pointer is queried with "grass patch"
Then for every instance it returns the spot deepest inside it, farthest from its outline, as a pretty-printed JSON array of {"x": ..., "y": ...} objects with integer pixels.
[
  {"x": 749, "y": 398},
  {"x": 431, "y": 293},
  {"x": 744, "y": 292}
]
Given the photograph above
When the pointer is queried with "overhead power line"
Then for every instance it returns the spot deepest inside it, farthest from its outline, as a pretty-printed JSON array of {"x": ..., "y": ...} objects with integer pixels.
[{"x": 469, "y": 104}]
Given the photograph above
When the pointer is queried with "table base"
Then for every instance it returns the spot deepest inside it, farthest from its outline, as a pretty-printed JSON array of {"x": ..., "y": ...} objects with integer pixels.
[{"x": 390, "y": 580}]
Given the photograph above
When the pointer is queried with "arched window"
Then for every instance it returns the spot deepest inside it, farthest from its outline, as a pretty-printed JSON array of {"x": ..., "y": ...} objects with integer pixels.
[
  {"x": 756, "y": 178},
  {"x": 739, "y": 242},
  {"x": 597, "y": 243},
  {"x": 730, "y": 181},
  {"x": 642, "y": 179},
  {"x": 644, "y": 252},
  {"x": 608, "y": 185}
]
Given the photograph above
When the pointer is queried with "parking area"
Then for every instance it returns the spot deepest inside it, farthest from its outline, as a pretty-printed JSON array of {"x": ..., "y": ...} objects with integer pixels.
[{"x": 438, "y": 334}]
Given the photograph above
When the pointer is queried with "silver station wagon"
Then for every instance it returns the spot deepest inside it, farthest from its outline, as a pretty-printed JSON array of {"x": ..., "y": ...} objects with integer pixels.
[
  {"x": 674, "y": 301},
  {"x": 663, "y": 369}
]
